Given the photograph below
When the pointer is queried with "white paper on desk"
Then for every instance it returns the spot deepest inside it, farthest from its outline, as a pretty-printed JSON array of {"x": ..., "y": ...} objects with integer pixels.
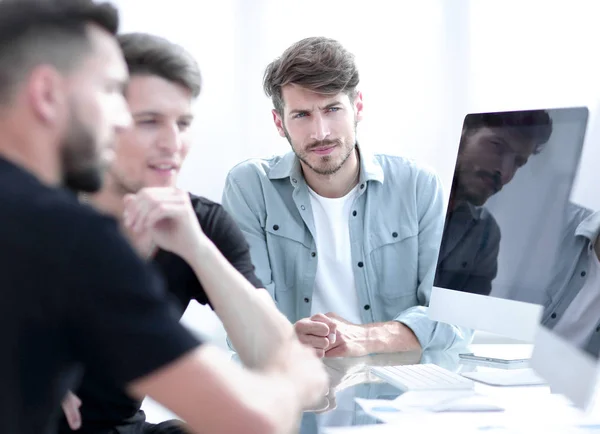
[
  {"x": 381, "y": 409},
  {"x": 428, "y": 401},
  {"x": 474, "y": 423}
]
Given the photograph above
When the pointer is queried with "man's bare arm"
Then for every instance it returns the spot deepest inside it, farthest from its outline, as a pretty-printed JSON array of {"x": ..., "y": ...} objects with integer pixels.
[
  {"x": 253, "y": 323},
  {"x": 213, "y": 394}
]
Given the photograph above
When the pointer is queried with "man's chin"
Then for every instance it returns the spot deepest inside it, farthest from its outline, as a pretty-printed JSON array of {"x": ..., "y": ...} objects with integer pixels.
[{"x": 479, "y": 200}]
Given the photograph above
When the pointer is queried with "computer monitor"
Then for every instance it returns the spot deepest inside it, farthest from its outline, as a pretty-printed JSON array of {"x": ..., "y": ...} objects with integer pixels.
[
  {"x": 567, "y": 345},
  {"x": 512, "y": 180}
]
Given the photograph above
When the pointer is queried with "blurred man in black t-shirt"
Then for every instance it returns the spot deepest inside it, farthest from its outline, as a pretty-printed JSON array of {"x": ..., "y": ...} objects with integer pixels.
[
  {"x": 75, "y": 295},
  {"x": 164, "y": 83}
]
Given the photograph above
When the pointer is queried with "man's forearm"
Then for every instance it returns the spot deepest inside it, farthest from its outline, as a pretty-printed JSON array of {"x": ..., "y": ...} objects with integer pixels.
[
  {"x": 253, "y": 323},
  {"x": 389, "y": 337}
]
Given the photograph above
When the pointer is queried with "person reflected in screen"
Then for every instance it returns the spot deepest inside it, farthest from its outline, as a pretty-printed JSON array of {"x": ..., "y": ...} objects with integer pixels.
[
  {"x": 345, "y": 240},
  {"x": 76, "y": 295},
  {"x": 572, "y": 306},
  {"x": 164, "y": 83},
  {"x": 493, "y": 147}
]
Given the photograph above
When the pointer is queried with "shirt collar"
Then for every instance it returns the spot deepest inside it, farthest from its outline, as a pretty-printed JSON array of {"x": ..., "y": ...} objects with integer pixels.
[
  {"x": 590, "y": 227},
  {"x": 289, "y": 167}
]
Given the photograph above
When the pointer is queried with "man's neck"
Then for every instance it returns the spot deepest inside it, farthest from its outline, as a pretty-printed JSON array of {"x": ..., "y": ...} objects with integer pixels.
[
  {"x": 338, "y": 184},
  {"x": 33, "y": 155}
]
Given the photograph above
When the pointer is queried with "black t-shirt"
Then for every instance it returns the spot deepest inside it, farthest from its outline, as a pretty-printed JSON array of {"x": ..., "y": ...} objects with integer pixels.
[
  {"x": 75, "y": 295},
  {"x": 104, "y": 404}
]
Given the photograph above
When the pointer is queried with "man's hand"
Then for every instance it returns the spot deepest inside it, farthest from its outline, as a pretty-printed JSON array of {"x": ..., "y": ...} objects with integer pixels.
[
  {"x": 166, "y": 213},
  {"x": 70, "y": 406},
  {"x": 316, "y": 332},
  {"x": 350, "y": 339},
  {"x": 356, "y": 340}
]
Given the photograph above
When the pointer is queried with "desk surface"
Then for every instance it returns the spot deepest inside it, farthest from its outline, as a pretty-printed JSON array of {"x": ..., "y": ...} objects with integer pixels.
[{"x": 350, "y": 379}]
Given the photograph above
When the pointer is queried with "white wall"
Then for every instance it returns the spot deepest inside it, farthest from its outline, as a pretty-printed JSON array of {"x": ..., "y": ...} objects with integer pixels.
[{"x": 536, "y": 53}]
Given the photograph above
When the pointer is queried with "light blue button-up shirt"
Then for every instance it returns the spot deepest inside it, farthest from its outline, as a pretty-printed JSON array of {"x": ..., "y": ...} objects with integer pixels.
[
  {"x": 572, "y": 269},
  {"x": 396, "y": 225}
]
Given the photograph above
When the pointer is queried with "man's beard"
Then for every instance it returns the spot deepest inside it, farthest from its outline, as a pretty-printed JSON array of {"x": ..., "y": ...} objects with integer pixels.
[
  {"x": 463, "y": 192},
  {"x": 83, "y": 168},
  {"x": 330, "y": 170}
]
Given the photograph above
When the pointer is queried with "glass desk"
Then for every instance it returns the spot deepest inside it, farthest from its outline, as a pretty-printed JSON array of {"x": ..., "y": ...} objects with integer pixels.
[{"x": 350, "y": 378}]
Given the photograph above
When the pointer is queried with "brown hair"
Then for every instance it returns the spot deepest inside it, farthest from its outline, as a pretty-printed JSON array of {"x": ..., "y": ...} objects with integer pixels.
[
  {"x": 35, "y": 32},
  {"x": 319, "y": 64},
  {"x": 535, "y": 125},
  {"x": 147, "y": 54}
]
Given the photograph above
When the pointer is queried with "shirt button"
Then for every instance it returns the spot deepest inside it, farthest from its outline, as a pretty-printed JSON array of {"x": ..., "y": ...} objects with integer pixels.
[
  {"x": 313, "y": 254},
  {"x": 354, "y": 213},
  {"x": 306, "y": 299},
  {"x": 360, "y": 264},
  {"x": 362, "y": 186},
  {"x": 395, "y": 234},
  {"x": 275, "y": 227},
  {"x": 553, "y": 316},
  {"x": 583, "y": 273},
  {"x": 294, "y": 180},
  {"x": 367, "y": 307},
  {"x": 302, "y": 207}
]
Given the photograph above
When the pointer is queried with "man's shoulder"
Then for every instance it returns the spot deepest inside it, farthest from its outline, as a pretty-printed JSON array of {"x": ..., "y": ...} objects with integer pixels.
[
  {"x": 398, "y": 168},
  {"x": 56, "y": 211},
  {"x": 53, "y": 230},
  {"x": 212, "y": 216},
  {"x": 485, "y": 217},
  {"x": 254, "y": 169},
  {"x": 206, "y": 210}
]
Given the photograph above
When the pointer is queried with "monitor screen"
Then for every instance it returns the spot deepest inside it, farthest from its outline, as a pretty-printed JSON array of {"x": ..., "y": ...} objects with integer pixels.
[{"x": 509, "y": 203}]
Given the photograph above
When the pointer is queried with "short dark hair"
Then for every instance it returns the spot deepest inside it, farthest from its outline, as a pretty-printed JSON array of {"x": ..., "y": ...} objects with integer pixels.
[
  {"x": 533, "y": 125},
  {"x": 147, "y": 54},
  {"x": 320, "y": 64},
  {"x": 54, "y": 32}
]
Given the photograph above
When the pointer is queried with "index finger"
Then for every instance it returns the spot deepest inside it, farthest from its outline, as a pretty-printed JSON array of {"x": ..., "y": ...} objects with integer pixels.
[
  {"x": 319, "y": 317},
  {"x": 315, "y": 328}
]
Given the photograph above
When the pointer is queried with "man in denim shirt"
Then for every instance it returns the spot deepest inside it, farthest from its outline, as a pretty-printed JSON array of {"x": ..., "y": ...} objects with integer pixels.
[
  {"x": 493, "y": 147},
  {"x": 572, "y": 307},
  {"x": 345, "y": 241}
]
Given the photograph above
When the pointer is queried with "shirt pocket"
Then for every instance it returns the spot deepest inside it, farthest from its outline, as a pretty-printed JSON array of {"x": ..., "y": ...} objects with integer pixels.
[
  {"x": 454, "y": 270},
  {"x": 395, "y": 257},
  {"x": 287, "y": 243}
]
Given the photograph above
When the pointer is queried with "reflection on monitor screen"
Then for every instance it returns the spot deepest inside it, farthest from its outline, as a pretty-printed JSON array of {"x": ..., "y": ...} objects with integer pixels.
[
  {"x": 506, "y": 218},
  {"x": 567, "y": 346}
]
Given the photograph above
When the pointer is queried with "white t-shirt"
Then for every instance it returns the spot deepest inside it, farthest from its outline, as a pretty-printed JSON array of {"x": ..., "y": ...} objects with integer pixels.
[
  {"x": 581, "y": 317},
  {"x": 335, "y": 289}
]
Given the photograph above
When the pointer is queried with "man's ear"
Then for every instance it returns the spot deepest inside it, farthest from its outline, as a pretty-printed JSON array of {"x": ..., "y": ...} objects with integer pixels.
[
  {"x": 358, "y": 106},
  {"x": 278, "y": 120},
  {"x": 46, "y": 94}
]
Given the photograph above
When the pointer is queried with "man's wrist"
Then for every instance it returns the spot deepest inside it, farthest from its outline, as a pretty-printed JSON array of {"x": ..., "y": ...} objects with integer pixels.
[
  {"x": 389, "y": 337},
  {"x": 198, "y": 247}
]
